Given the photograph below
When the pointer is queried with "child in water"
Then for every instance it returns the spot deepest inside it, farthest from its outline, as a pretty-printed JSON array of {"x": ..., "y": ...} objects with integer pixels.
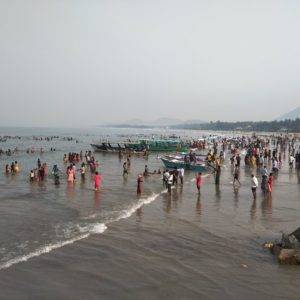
[
  {"x": 199, "y": 181},
  {"x": 97, "y": 181}
]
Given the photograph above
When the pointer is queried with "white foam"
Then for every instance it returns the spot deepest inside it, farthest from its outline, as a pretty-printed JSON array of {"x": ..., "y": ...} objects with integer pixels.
[
  {"x": 96, "y": 228},
  {"x": 126, "y": 213},
  {"x": 42, "y": 250},
  {"x": 87, "y": 230}
]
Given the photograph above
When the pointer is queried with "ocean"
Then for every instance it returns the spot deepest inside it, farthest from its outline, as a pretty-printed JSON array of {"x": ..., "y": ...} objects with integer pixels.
[{"x": 70, "y": 242}]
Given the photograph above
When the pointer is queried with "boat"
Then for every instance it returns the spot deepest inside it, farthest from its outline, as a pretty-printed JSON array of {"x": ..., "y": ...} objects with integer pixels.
[
  {"x": 164, "y": 145},
  {"x": 107, "y": 147},
  {"x": 140, "y": 146},
  {"x": 178, "y": 164}
]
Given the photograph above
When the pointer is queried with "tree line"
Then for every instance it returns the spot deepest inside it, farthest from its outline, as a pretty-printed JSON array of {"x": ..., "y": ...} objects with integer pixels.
[{"x": 268, "y": 126}]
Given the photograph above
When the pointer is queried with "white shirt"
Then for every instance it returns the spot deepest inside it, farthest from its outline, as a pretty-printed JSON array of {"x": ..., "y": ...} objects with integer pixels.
[
  {"x": 254, "y": 182},
  {"x": 170, "y": 179},
  {"x": 181, "y": 172}
]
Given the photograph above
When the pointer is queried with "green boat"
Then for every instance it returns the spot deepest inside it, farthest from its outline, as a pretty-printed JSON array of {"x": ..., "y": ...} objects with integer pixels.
[
  {"x": 164, "y": 145},
  {"x": 177, "y": 164}
]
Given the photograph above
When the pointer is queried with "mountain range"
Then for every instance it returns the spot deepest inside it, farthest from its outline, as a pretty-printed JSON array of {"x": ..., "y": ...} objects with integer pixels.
[
  {"x": 160, "y": 122},
  {"x": 292, "y": 115}
]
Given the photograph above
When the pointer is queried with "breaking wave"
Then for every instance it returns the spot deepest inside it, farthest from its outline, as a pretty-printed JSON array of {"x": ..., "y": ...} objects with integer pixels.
[{"x": 85, "y": 231}]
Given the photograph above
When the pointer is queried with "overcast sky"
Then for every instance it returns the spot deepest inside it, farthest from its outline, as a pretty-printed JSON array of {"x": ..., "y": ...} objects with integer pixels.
[{"x": 77, "y": 63}]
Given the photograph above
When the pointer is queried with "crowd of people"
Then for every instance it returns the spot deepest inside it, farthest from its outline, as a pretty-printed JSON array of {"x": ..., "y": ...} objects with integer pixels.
[
  {"x": 41, "y": 170},
  {"x": 261, "y": 153},
  {"x": 263, "y": 156}
]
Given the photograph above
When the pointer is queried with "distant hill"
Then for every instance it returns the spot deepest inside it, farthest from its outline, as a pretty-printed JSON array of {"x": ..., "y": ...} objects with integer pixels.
[
  {"x": 159, "y": 123},
  {"x": 292, "y": 115},
  {"x": 165, "y": 122},
  {"x": 195, "y": 122}
]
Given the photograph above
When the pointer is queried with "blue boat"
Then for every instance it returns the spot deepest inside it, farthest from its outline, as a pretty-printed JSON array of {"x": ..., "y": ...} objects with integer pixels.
[{"x": 178, "y": 164}]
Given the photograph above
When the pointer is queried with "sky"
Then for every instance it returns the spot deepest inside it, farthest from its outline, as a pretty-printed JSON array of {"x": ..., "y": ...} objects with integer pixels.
[{"x": 84, "y": 63}]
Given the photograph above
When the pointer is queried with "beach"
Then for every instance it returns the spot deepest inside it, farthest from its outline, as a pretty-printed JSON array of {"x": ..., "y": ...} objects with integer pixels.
[{"x": 72, "y": 243}]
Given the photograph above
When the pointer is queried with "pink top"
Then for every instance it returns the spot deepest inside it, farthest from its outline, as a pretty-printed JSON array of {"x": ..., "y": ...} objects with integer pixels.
[
  {"x": 97, "y": 180},
  {"x": 198, "y": 180},
  {"x": 71, "y": 175}
]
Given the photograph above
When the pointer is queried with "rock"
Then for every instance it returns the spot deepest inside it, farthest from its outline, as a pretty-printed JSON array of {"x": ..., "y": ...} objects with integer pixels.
[{"x": 289, "y": 257}]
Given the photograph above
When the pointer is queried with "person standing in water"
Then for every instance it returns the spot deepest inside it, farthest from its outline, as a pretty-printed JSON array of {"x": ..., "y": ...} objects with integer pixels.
[
  {"x": 70, "y": 174},
  {"x": 139, "y": 184},
  {"x": 31, "y": 176},
  {"x": 97, "y": 181},
  {"x": 125, "y": 170},
  {"x": 199, "y": 181},
  {"x": 170, "y": 182},
  {"x": 146, "y": 172},
  {"x": 236, "y": 175},
  {"x": 7, "y": 169},
  {"x": 16, "y": 167},
  {"x": 218, "y": 175},
  {"x": 254, "y": 185},
  {"x": 12, "y": 168},
  {"x": 181, "y": 175},
  {"x": 55, "y": 172},
  {"x": 82, "y": 171},
  {"x": 175, "y": 176},
  {"x": 270, "y": 183}
]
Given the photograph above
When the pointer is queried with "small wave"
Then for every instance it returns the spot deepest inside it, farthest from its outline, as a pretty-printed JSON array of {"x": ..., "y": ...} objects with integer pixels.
[
  {"x": 85, "y": 230},
  {"x": 88, "y": 230},
  {"x": 126, "y": 213},
  {"x": 42, "y": 250},
  {"x": 96, "y": 228}
]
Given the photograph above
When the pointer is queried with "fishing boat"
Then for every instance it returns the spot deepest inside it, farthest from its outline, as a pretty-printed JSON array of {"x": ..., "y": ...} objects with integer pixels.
[
  {"x": 107, "y": 147},
  {"x": 178, "y": 164},
  {"x": 164, "y": 145},
  {"x": 149, "y": 145}
]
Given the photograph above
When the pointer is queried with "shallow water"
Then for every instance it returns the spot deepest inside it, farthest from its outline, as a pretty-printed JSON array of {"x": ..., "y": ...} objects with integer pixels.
[{"x": 79, "y": 243}]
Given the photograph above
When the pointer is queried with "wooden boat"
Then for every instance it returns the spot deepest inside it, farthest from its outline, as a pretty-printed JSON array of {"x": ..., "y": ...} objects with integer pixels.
[
  {"x": 178, "y": 164},
  {"x": 117, "y": 148},
  {"x": 164, "y": 145},
  {"x": 142, "y": 146}
]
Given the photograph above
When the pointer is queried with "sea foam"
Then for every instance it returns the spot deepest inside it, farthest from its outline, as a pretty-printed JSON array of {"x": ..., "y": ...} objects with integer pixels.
[{"x": 85, "y": 230}]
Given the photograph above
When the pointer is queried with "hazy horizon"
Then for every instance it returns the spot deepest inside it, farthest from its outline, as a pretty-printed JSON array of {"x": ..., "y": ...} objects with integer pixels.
[{"x": 84, "y": 63}]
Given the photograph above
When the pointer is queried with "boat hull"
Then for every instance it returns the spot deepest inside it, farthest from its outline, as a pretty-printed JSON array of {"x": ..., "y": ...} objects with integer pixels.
[{"x": 177, "y": 165}]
